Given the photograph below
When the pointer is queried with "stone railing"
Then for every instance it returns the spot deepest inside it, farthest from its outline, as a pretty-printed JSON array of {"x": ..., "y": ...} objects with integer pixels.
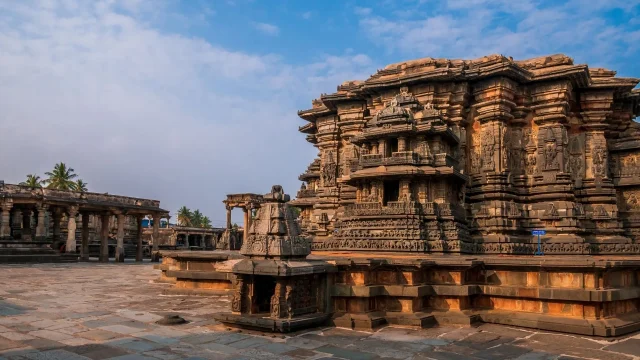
[
  {"x": 402, "y": 158},
  {"x": 370, "y": 160},
  {"x": 11, "y": 190}
]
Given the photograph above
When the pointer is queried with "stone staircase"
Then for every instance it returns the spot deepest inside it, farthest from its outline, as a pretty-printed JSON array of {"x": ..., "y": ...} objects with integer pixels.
[{"x": 20, "y": 252}]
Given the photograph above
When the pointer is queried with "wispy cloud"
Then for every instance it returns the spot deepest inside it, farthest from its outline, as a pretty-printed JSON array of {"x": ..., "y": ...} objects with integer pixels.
[
  {"x": 473, "y": 28},
  {"x": 307, "y": 15},
  {"x": 268, "y": 29},
  {"x": 142, "y": 112}
]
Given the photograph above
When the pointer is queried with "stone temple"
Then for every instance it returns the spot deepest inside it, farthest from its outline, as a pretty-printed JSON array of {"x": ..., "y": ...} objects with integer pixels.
[{"x": 432, "y": 176}]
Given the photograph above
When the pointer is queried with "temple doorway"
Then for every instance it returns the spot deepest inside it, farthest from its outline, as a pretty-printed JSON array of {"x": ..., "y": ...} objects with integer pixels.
[
  {"x": 264, "y": 288},
  {"x": 391, "y": 191}
]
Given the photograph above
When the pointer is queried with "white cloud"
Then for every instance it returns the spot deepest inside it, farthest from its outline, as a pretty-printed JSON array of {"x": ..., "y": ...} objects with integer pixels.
[
  {"x": 140, "y": 112},
  {"x": 473, "y": 28},
  {"x": 307, "y": 15},
  {"x": 362, "y": 11},
  {"x": 268, "y": 29}
]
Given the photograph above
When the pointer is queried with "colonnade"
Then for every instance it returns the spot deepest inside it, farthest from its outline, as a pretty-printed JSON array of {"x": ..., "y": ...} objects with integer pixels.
[{"x": 22, "y": 214}]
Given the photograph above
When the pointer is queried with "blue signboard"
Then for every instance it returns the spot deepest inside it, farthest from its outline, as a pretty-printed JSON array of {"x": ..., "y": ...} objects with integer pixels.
[{"x": 538, "y": 232}]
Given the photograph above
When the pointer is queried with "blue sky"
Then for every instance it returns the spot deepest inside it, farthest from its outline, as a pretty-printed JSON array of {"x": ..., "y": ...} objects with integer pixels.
[{"x": 185, "y": 101}]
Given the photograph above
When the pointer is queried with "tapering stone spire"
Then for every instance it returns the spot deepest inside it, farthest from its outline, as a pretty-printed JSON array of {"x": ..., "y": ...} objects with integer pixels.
[{"x": 274, "y": 233}]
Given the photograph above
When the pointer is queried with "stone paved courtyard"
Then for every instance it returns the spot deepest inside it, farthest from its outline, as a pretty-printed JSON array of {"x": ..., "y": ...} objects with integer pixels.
[{"x": 108, "y": 311}]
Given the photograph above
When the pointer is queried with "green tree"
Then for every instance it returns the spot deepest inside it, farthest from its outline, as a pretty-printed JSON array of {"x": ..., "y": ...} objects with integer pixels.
[
  {"x": 196, "y": 218},
  {"x": 61, "y": 177},
  {"x": 206, "y": 222},
  {"x": 80, "y": 185},
  {"x": 33, "y": 181},
  {"x": 184, "y": 216}
]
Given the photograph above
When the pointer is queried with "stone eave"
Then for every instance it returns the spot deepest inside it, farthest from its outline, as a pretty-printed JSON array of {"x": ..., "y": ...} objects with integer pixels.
[
  {"x": 313, "y": 114},
  {"x": 308, "y": 128},
  {"x": 310, "y": 175},
  {"x": 330, "y": 100},
  {"x": 625, "y": 84},
  {"x": 304, "y": 202},
  {"x": 403, "y": 171}
]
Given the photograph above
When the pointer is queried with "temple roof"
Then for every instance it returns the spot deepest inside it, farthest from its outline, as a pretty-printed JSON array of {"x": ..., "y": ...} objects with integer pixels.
[{"x": 429, "y": 69}]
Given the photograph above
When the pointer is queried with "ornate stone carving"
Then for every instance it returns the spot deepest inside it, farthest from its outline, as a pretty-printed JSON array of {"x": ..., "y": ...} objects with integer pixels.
[
  {"x": 488, "y": 149},
  {"x": 236, "y": 300},
  {"x": 329, "y": 170},
  {"x": 599, "y": 157}
]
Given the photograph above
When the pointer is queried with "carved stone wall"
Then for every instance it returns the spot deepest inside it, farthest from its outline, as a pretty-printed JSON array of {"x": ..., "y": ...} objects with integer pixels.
[{"x": 484, "y": 151}]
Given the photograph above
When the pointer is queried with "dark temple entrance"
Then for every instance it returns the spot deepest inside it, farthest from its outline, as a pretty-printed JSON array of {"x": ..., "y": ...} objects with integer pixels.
[
  {"x": 391, "y": 191},
  {"x": 263, "y": 288}
]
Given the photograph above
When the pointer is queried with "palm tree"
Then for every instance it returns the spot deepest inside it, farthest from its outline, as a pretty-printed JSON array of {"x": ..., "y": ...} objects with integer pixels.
[
  {"x": 184, "y": 216},
  {"x": 196, "y": 218},
  {"x": 80, "y": 185},
  {"x": 206, "y": 222},
  {"x": 33, "y": 181},
  {"x": 61, "y": 177}
]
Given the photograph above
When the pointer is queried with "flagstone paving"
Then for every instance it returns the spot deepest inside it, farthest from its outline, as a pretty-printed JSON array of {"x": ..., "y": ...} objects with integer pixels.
[{"x": 108, "y": 311}]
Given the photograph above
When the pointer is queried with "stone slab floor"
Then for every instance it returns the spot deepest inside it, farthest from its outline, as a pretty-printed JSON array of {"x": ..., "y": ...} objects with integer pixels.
[{"x": 108, "y": 311}]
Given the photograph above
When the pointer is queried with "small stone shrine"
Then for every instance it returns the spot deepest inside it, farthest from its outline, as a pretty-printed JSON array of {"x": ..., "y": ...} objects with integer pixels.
[{"x": 275, "y": 287}]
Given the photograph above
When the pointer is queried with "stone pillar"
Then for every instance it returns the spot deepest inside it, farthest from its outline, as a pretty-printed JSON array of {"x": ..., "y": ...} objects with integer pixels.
[
  {"x": 57, "y": 215},
  {"x": 5, "y": 220},
  {"x": 155, "y": 238},
  {"x": 104, "y": 238},
  {"x": 229, "y": 217},
  {"x": 72, "y": 211},
  {"x": 246, "y": 222},
  {"x": 139, "y": 220},
  {"x": 26, "y": 224},
  {"x": 84, "y": 247},
  {"x": 402, "y": 143},
  {"x": 120, "y": 238},
  {"x": 40, "y": 228}
]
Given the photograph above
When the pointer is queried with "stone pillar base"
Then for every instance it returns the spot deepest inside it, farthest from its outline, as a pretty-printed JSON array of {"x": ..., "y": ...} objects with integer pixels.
[{"x": 119, "y": 254}]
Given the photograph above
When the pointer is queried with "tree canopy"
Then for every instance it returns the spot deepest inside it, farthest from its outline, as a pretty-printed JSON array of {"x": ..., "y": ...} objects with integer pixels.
[
  {"x": 62, "y": 177},
  {"x": 194, "y": 218}
]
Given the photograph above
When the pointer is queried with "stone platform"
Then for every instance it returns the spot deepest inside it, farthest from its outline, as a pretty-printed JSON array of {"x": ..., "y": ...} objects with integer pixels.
[
  {"x": 71, "y": 312},
  {"x": 587, "y": 295},
  {"x": 18, "y": 252}
]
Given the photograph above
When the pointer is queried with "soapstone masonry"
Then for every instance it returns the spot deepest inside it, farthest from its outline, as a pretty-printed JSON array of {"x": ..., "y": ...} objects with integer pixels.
[
  {"x": 431, "y": 177},
  {"x": 470, "y": 156}
]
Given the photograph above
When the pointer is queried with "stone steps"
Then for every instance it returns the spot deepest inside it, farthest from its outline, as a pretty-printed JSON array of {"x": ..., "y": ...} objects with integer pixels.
[{"x": 38, "y": 258}]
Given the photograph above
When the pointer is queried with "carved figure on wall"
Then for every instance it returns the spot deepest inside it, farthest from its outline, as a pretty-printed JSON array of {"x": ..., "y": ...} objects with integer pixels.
[
  {"x": 275, "y": 301},
  {"x": 236, "y": 301},
  {"x": 329, "y": 170},
  {"x": 531, "y": 163},
  {"x": 506, "y": 147},
  {"x": 575, "y": 166},
  {"x": 550, "y": 155},
  {"x": 599, "y": 156},
  {"x": 488, "y": 149}
]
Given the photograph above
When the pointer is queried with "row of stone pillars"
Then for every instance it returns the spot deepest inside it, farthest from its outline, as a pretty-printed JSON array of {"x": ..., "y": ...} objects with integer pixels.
[{"x": 72, "y": 212}]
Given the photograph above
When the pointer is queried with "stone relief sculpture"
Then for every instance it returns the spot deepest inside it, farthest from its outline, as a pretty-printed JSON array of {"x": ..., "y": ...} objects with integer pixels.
[{"x": 599, "y": 156}]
